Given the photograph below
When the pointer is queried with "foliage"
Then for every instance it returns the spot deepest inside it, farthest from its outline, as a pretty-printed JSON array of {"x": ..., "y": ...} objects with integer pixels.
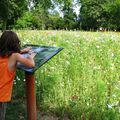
[
  {"x": 112, "y": 10},
  {"x": 56, "y": 22},
  {"x": 10, "y": 10},
  {"x": 41, "y": 20},
  {"x": 69, "y": 16},
  {"x": 4, "y": 12},
  {"x": 81, "y": 79},
  {"x": 91, "y": 13},
  {"x": 40, "y": 17},
  {"x": 25, "y": 21},
  {"x": 94, "y": 14}
]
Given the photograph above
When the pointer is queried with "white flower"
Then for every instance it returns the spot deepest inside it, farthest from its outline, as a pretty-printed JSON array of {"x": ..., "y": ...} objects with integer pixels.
[
  {"x": 52, "y": 68},
  {"x": 18, "y": 78},
  {"x": 90, "y": 63},
  {"x": 109, "y": 106},
  {"x": 97, "y": 46},
  {"x": 112, "y": 54},
  {"x": 67, "y": 62},
  {"x": 97, "y": 67},
  {"x": 54, "y": 45},
  {"x": 113, "y": 95},
  {"x": 112, "y": 67}
]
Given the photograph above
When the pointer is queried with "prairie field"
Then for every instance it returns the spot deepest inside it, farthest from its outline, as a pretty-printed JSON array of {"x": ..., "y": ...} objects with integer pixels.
[{"x": 83, "y": 80}]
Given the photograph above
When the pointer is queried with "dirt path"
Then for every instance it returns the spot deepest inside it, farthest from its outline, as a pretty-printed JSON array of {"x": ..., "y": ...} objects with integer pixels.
[{"x": 42, "y": 116}]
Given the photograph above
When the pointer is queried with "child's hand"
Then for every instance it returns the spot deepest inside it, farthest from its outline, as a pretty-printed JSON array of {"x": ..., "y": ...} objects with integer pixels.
[
  {"x": 32, "y": 55},
  {"x": 25, "y": 50}
]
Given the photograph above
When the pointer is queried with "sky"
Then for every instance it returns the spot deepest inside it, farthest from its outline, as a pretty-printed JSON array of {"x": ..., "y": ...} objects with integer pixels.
[{"x": 76, "y": 9}]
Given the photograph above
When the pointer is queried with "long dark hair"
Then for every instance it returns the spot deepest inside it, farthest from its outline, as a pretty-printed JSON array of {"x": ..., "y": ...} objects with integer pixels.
[{"x": 9, "y": 43}]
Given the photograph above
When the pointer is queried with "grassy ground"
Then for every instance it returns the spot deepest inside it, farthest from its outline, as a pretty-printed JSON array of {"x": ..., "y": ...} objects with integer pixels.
[
  {"x": 83, "y": 79},
  {"x": 16, "y": 110}
]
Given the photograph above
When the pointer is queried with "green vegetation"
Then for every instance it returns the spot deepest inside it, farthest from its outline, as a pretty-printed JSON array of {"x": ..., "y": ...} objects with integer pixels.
[
  {"x": 84, "y": 78},
  {"x": 60, "y": 14}
]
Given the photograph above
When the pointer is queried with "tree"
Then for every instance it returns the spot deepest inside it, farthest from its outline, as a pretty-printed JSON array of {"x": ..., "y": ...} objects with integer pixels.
[
  {"x": 40, "y": 17},
  {"x": 112, "y": 14},
  {"x": 10, "y": 10},
  {"x": 56, "y": 22},
  {"x": 41, "y": 13},
  {"x": 91, "y": 13},
  {"x": 69, "y": 16},
  {"x": 25, "y": 21},
  {"x": 4, "y": 12},
  {"x": 100, "y": 13}
]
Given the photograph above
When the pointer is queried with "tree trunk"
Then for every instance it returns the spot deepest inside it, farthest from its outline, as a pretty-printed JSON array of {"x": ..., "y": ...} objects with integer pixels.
[
  {"x": 4, "y": 24},
  {"x": 43, "y": 26}
]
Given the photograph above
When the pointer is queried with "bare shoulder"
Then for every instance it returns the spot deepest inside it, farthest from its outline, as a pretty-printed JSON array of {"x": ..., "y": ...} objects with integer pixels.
[
  {"x": 15, "y": 55},
  {"x": 12, "y": 61}
]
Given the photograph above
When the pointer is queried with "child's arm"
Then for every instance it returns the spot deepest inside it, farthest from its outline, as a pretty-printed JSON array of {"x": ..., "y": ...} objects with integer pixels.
[{"x": 29, "y": 62}]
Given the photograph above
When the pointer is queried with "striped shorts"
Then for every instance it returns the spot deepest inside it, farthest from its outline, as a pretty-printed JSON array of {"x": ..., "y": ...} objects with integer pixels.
[{"x": 3, "y": 106}]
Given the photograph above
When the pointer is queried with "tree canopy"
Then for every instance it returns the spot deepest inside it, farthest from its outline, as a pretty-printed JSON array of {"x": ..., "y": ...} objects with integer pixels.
[{"x": 60, "y": 14}]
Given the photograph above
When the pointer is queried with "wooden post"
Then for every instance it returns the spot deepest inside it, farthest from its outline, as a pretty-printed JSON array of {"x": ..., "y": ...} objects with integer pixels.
[{"x": 31, "y": 96}]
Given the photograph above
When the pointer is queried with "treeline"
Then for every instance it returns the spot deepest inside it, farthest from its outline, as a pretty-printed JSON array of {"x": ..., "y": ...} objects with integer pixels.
[{"x": 60, "y": 14}]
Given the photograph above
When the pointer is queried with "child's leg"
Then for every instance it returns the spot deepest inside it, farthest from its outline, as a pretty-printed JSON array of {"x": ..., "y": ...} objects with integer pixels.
[{"x": 3, "y": 106}]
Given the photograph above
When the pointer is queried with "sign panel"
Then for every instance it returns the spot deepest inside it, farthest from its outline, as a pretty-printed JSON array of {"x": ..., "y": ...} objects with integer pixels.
[{"x": 44, "y": 53}]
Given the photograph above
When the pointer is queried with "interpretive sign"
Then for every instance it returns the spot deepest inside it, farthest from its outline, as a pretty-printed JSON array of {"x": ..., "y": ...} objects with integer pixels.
[{"x": 43, "y": 54}]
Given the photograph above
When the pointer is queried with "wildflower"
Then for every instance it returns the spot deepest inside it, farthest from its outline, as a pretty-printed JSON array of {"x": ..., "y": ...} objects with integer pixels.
[
  {"x": 97, "y": 67},
  {"x": 27, "y": 41},
  {"x": 52, "y": 68},
  {"x": 97, "y": 46},
  {"x": 113, "y": 95},
  {"x": 67, "y": 62},
  {"x": 112, "y": 54},
  {"x": 109, "y": 106},
  {"x": 90, "y": 63},
  {"x": 54, "y": 45},
  {"x": 112, "y": 67}
]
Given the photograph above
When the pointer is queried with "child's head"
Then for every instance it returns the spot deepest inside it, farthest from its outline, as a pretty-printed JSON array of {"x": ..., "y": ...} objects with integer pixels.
[{"x": 9, "y": 43}]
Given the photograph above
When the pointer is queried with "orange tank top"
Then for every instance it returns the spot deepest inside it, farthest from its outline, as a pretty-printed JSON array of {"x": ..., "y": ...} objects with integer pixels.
[{"x": 6, "y": 80}]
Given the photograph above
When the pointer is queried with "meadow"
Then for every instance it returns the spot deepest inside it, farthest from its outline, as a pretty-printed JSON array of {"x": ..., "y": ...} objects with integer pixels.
[{"x": 82, "y": 80}]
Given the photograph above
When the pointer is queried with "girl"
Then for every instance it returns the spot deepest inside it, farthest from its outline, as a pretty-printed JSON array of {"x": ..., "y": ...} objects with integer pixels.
[{"x": 10, "y": 54}]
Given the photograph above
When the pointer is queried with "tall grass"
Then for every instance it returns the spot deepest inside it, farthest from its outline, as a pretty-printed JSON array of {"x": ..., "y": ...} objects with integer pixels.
[{"x": 84, "y": 78}]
